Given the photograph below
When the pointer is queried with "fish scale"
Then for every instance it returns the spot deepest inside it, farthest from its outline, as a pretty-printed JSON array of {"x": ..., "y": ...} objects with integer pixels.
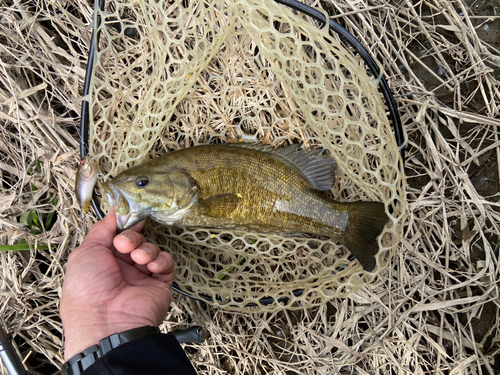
[
  {"x": 272, "y": 198},
  {"x": 283, "y": 196}
]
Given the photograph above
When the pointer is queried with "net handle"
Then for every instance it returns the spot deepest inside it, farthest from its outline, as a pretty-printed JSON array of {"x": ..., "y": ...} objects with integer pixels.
[{"x": 345, "y": 35}]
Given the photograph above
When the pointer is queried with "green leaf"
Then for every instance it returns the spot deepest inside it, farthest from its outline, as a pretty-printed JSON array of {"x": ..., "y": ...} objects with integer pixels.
[
  {"x": 26, "y": 219},
  {"x": 36, "y": 221},
  {"x": 49, "y": 219},
  {"x": 220, "y": 276},
  {"x": 39, "y": 166},
  {"x": 21, "y": 247}
]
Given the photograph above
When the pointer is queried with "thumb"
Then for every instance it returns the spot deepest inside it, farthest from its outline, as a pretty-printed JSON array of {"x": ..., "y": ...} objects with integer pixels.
[{"x": 102, "y": 232}]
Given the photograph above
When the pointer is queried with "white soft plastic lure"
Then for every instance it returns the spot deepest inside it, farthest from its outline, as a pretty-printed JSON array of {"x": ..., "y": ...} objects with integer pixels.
[{"x": 86, "y": 178}]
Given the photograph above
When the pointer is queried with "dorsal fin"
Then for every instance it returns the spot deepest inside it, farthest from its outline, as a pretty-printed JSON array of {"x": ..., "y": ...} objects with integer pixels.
[
  {"x": 251, "y": 146},
  {"x": 318, "y": 170}
]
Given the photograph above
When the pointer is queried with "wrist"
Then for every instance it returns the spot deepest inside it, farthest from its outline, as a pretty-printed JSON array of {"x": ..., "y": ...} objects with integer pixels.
[
  {"x": 85, "y": 325},
  {"x": 78, "y": 363},
  {"x": 79, "y": 337}
]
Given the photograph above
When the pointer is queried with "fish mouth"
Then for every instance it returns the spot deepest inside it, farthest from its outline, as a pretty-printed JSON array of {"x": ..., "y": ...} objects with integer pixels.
[{"x": 127, "y": 209}]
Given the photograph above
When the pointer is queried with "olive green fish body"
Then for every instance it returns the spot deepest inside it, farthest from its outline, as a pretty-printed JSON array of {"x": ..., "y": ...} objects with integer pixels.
[
  {"x": 247, "y": 188},
  {"x": 262, "y": 205}
]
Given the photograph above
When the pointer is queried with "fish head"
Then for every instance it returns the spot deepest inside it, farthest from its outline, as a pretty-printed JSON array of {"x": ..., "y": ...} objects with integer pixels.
[{"x": 140, "y": 192}]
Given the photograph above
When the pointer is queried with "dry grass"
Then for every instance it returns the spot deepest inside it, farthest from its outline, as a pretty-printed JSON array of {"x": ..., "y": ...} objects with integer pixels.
[{"x": 434, "y": 310}]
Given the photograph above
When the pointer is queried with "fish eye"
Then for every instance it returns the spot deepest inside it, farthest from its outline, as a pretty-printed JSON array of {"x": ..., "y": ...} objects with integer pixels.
[{"x": 141, "y": 181}]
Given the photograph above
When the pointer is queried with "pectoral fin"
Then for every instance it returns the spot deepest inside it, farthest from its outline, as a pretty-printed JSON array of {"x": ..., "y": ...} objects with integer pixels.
[{"x": 219, "y": 206}]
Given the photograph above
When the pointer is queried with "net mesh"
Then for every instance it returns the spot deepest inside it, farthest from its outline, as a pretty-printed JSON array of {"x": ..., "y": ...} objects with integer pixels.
[{"x": 252, "y": 71}]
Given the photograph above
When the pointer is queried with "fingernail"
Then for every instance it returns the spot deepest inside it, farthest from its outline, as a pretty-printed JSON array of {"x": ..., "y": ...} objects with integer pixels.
[
  {"x": 144, "y": 250},
  {"x": 127, "y": 237},
  {"x": 158, "y": 261}
]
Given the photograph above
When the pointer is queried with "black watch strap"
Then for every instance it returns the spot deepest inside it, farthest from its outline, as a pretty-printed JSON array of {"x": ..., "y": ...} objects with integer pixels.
[{"x": 80, "y": 362}]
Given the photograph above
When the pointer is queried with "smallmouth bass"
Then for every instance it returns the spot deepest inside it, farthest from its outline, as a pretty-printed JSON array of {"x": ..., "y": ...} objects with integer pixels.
[{"x": 245, "y": 187}]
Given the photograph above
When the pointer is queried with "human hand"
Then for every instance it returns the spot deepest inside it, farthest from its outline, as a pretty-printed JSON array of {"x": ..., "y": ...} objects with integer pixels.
[{"x": 113, "y": 283}]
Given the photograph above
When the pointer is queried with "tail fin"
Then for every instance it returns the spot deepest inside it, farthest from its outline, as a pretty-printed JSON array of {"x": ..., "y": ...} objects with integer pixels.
[{"x": 366, "y": 222}]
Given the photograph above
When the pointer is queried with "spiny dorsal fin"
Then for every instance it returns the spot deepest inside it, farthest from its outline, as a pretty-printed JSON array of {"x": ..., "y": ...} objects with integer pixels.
[
  {"x": 251, "y": 146},
  {"x": 219, "y": 205},
  {"x": 318, "y": 170}
]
